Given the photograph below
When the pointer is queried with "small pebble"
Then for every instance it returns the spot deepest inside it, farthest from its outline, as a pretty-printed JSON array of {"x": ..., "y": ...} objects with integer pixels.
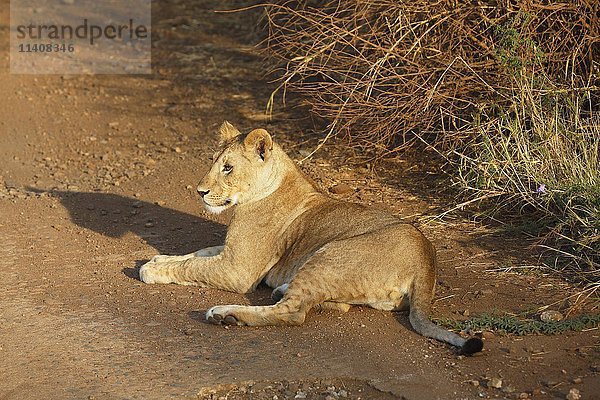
[
  {"x": 488, "y": 335},
  {"x": 551, "y": 315},
  {"x": 495, "y": 383},
  {"x": 342, "y": 188},
  {"x": 573, "y": 394},
  {"x": 508, "y": 389}
]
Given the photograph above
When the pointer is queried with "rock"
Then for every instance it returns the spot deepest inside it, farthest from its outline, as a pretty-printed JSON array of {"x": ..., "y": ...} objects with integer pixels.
[
  {"x": 533, "y": 350},
  {"x": 474, "y": 382},
  {"x": 300, "y": 395},
  {"x": 551, "y": 315},
  {"x": 495, "y": 383},
  {"x": 573, "y": 394},
  {"x": 523, "y": 395},
  {"x": 149, "y": 225},
  {"x": 137, "y": 204},
  {"x": 341, "y": 188},
  {"x": 508, "y": 389},
  {"x": 488, "y": 335},
  {"x": 343, "y": 393},
  {"x": 577, "y": 380}
]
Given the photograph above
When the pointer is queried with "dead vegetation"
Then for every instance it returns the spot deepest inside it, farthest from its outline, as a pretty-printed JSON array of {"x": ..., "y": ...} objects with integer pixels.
[
  {"x": 384, "y": 71},
  {"x": 506, "y": 91}
]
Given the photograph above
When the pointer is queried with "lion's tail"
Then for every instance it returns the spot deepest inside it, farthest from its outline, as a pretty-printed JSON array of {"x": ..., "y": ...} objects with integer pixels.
[
  {"x": 420, "y": 304},
  {"x": 421, "y": 323}
]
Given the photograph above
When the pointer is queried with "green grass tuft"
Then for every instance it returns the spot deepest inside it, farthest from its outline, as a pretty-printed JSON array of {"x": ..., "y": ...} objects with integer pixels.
[{"x": 512, "y": 325}]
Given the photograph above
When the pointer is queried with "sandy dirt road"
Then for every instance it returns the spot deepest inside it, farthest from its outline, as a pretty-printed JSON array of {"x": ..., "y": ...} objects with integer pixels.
[{"x": 98, "y": 175}]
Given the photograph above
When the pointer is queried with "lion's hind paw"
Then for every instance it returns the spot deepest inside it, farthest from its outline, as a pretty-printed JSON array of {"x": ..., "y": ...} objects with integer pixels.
[{"x": 221, "y": 315}]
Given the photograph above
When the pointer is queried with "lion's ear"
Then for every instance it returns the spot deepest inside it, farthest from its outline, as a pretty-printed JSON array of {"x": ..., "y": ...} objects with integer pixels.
[
  {"x": 227, "y": 132},
  {"x": 259, "y": 141}
]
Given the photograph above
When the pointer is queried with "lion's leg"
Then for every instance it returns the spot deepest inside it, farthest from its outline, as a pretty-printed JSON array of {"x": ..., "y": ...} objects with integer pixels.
[
  {"x": 282, "y": 313},
  {"x": 333, "y": 306},
  {"x": 298, "y": 299},
  {"x": 206, "y": 252},
  {"x": 219, "y": 272},
  {"x": 280, "y": 291},
  {"x": 305, "y": 291}
]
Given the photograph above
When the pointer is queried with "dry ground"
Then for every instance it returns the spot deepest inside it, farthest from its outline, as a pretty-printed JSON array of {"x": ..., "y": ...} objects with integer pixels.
[{"x": 98, "y": 175}]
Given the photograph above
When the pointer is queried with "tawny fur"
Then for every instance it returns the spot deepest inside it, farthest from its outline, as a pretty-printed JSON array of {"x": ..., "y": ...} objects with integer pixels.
[{"x": 315, "y": 250}]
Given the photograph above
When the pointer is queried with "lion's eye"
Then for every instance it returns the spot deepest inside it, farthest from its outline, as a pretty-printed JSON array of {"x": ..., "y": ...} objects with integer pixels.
[{"x": 227, "y": 168}]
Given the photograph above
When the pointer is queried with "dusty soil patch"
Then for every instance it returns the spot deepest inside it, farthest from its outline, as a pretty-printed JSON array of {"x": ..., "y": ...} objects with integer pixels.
[{"x": 98, "y": 175}]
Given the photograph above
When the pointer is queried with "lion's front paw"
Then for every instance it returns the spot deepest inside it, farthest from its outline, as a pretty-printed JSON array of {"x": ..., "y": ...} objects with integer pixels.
[
  {"x": 223, "y": 315},
  {"x": 154, "y": 272}
]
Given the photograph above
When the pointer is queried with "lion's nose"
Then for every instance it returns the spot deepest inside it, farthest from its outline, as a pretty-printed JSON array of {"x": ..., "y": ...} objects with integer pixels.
[{"x": 203, "y": 192}]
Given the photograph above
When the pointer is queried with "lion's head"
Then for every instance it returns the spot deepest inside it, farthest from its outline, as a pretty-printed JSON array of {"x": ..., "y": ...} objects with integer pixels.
[{"x": 244, "y": 169}]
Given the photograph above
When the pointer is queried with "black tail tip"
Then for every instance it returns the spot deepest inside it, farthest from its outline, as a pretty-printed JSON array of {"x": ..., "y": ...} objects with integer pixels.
[{"x": 472, "y": 345}]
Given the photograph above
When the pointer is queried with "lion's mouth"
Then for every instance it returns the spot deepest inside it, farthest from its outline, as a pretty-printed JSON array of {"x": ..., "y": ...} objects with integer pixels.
[
  {"x": 225, "y": 203},
  {"x": 217, "y": 208}
]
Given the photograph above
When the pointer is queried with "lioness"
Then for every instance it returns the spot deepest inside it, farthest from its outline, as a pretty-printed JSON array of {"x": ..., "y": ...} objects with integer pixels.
[{"x": 314, "y": 250}]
